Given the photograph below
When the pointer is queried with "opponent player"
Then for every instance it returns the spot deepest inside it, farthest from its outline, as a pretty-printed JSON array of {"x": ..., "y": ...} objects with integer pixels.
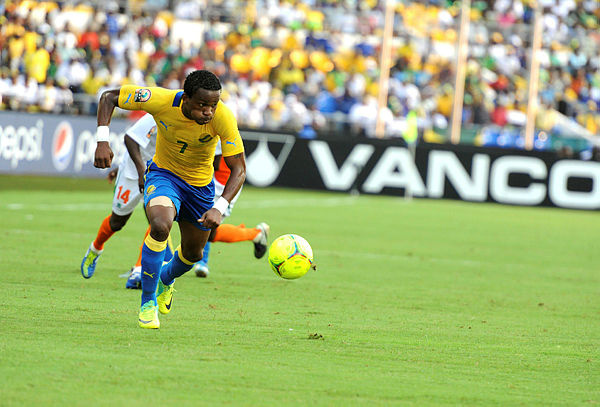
[
  {"x": 140, "y": 143},
  {"x": 178, "y": 180}
]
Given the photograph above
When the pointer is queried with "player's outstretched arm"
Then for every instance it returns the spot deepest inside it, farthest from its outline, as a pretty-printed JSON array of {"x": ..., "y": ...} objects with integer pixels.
[
  {"x": 237, "y": 164},
  {"x": 104, "y": 155}
]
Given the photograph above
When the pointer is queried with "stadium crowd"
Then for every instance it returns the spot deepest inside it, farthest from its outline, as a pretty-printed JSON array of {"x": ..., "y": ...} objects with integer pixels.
[{"x": 308, "y": 66}]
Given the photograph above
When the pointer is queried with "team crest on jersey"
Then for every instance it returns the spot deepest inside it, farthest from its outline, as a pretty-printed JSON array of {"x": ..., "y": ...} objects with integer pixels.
[
  {"x": 205, "y": 137},
  {"x": 150, "y": 190},
  {"x": 142, "y": 95}
]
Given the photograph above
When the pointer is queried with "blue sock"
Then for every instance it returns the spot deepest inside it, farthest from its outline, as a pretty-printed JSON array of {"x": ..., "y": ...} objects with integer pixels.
[
  {"x": 168, "y": 253},
  {"x": 173, "y": 269},
  {"x": 151, "y": 265},
  {"x": 205, "y": 254}
]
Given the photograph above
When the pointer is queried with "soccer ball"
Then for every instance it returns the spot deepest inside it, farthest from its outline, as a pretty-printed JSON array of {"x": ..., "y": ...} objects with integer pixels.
[{"x": 290, "y": 256}]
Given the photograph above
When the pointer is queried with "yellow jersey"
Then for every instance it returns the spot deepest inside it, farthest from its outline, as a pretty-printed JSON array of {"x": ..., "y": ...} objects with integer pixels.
[{"x": 183, "y": 146}]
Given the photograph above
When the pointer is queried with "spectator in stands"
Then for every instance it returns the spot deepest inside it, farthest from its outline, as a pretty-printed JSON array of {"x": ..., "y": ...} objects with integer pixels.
[
  {"x": 316, "y": 53},
  {"x": 5, "y": 87},
  {"x": 47, "y": 97},
  {"x": 16, "y": 90}
]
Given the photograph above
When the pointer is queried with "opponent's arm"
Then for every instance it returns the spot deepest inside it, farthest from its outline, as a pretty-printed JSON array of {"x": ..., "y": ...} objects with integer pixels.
[
  {"x": 237, "y": 165},
  {"x": 108, "y": 101},
  {"x": 133, "y": 149},
  {"x": 214, "y": 216},
  {"x": 217, "y": 162}
]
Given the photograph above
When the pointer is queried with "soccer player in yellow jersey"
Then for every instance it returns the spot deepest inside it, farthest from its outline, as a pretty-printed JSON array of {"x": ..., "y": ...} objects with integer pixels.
[{"x": 179, "y": 178}]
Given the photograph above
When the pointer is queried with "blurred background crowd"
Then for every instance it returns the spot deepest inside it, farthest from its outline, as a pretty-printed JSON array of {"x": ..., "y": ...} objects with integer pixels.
[{"x": 312, "y": 67}]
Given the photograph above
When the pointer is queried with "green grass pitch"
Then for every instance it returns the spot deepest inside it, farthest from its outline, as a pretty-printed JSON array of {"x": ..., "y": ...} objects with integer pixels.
[{"x": 418, "y": 302}]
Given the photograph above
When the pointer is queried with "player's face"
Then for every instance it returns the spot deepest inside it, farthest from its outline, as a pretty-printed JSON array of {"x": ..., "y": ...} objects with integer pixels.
[{"x": 201, "y": 107}]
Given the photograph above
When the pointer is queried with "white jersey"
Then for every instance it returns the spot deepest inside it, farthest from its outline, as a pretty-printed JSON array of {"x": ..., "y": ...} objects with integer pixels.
[
  {"x": 143, "y": 132},
  {"x": 127, "y": 193},
  {"x": 220, "y": 187},
  {"x": 218, "y": 150}
]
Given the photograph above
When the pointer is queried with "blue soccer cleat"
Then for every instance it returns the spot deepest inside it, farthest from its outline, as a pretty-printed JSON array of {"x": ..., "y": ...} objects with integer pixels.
[
  {"x": 134, "y": 281},
  {"x": 88, "y": 264}
]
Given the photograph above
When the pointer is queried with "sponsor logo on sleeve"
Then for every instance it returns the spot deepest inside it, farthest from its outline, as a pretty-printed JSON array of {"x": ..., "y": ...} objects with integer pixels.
[{"x": 142, "y": 95}]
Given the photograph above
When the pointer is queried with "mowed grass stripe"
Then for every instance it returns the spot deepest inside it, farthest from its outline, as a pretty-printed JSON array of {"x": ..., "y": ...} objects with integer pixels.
[{"x": 415, "y": 302}]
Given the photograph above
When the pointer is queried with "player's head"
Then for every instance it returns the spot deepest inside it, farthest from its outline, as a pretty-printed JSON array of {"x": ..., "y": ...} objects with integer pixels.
[{"x": 201, "y": 93}]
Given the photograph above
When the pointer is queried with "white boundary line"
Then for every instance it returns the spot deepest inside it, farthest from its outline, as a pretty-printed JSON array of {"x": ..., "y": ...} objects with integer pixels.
[{"x": 244, "y": 204}]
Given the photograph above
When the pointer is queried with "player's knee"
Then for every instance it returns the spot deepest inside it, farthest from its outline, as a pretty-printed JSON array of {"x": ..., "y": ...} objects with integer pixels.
[
  {"x": 117, "y": 222},
  {"x": 159, "y": 230}
]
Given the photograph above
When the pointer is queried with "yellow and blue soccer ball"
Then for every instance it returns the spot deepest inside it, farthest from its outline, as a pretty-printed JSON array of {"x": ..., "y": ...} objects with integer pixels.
[{"x": 290, "y": 256}]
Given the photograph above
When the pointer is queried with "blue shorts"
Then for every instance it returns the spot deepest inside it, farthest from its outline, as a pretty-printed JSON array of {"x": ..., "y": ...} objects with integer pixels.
[{"x": 190, "y": 202}]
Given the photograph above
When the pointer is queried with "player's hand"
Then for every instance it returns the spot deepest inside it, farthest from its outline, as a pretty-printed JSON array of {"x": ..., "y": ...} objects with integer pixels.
[
  {"x": 141, "y": 184},
  {"x": 103, "y": 155},
  {"x": 112, "y": 174},
  {"x": 211, "y": 218}
]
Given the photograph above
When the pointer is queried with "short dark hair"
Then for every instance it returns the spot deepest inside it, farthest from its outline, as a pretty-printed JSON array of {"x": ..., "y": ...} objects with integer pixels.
[{"x": 201, "y": 79}]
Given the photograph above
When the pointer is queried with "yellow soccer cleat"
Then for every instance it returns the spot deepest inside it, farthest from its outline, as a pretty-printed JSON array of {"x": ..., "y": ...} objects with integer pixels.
[
  {"x": 148, "y": 317},
  {"x": 164, "y": 297}
]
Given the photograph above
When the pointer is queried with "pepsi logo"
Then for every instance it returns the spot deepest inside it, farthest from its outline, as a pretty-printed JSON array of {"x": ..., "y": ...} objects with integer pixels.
[{"x": 62, "y": 146}]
